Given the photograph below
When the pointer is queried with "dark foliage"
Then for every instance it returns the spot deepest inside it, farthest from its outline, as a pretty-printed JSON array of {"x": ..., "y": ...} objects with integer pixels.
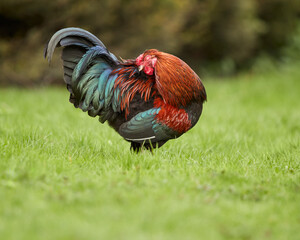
[{"x": 230, "y": 33}]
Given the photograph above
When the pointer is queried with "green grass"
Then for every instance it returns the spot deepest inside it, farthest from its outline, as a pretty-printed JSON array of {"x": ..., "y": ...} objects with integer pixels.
[{"x": 236, "y": 175}]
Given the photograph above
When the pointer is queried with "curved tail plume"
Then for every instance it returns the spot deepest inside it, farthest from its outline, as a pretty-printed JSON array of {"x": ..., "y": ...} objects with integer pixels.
[
  {"x": 72, "y": 36},
  {"x": 87, "y": 66}
]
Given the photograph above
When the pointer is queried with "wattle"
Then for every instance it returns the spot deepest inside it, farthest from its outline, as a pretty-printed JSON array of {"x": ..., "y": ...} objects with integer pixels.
[{"x": 148, "y": 70}]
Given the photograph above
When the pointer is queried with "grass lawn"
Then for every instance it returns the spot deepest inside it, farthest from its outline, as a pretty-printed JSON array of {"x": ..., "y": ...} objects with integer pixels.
[{"x": 236, "y": 175}]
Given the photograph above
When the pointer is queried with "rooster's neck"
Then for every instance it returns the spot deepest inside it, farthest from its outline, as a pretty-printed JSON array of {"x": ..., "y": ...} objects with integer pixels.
[{"x": 130, "y": 82}]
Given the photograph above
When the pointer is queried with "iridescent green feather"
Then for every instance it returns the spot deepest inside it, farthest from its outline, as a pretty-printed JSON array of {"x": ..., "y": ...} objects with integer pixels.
[
  {"x": 94, "y": 85},
  {"x": 145, "y": 127},
  {"x": 87, "y": 71},
  {"x": 102, "y": 82}
]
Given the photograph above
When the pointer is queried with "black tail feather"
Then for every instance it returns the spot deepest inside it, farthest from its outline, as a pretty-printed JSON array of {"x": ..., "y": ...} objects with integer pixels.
[{"x": 75, "y": 43}]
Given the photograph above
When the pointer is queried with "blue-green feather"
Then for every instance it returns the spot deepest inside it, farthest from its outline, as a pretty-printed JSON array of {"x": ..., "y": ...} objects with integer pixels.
[
  {"x": 102, "y": 82},
  {"x": 94, "y": 83},
  {"x": 90, "y": 92},
  {"x": 109, "y": 90},
  {"x": 95, "y": 100},
  {"x": 87, "y": 59},
  {"x": 145, "y": 127},
  {"x": 140, "y": 126},
  {"x": 116, "y": 102}
]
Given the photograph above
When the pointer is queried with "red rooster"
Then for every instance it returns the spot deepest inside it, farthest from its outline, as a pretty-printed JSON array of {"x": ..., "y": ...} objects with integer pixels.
[{"x": 148, "y": 101}]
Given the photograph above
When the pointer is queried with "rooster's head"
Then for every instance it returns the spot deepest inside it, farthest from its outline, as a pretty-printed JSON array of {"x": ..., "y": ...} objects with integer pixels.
[{"x": 147, "y": 61}]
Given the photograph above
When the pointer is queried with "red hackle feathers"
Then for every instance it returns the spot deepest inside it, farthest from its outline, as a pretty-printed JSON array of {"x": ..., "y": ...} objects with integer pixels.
[
  {"x": 174, "y": 118},
  {"x": 176, "y": 82},
  {"x": 130, "y": 85}
]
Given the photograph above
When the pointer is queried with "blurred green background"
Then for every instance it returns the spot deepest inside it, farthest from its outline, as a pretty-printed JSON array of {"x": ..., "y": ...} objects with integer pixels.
[
  {"x": 235, "y": 175},
  {"x": 216, "y": 37}
]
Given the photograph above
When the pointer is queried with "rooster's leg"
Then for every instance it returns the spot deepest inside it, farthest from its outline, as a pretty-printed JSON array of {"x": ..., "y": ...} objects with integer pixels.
[
  {"x": 138, "y": 147},
  {"x": 135, "y": 147}
]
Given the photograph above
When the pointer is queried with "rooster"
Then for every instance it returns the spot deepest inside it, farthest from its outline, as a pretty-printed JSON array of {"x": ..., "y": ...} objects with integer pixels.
[{"x": 148, "y": 101}]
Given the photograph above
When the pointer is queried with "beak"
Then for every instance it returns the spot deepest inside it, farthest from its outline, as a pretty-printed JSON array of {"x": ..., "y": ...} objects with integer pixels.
[{"x": 141, "y": 67}]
